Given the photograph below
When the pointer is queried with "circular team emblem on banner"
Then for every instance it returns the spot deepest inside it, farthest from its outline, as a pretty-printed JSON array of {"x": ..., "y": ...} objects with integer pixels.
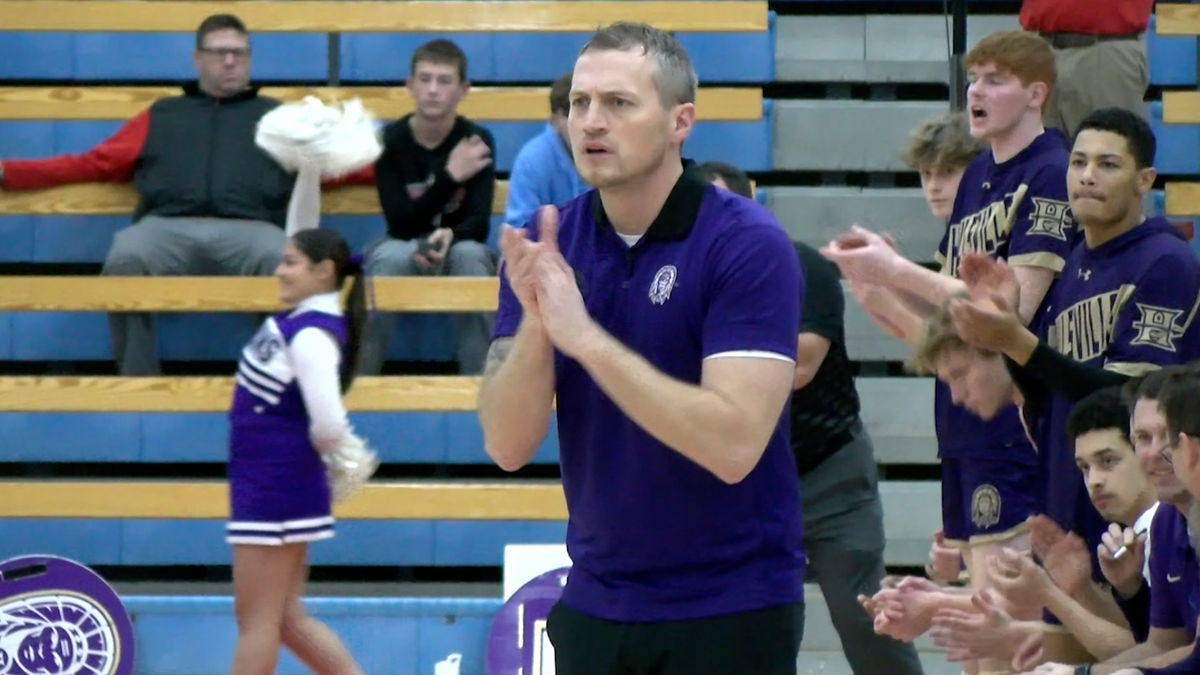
[
  {"x": 517, "y": 642},
  {"x": 985, "y": 506},
  {"x": 58, "y": 617}
]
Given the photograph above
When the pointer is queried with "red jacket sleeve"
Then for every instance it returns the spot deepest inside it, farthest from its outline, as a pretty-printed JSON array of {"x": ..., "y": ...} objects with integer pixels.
[
  {"x": 113, "y": 161},
  {"x": 364, "y": 176}
]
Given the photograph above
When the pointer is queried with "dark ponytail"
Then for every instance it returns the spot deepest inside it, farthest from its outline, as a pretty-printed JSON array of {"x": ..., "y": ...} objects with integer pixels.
[
  {"x": 356, "y": 321},
  {"x": 319, "y": 245}
]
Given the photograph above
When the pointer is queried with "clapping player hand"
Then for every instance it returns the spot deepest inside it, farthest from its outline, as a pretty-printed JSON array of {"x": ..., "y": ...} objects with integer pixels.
[
  {"x": 963, "y": 635},
  {"x": 945, "y": 562},
  {"x": 864, "y": 256},
  {"x": 520, "y": 255}
]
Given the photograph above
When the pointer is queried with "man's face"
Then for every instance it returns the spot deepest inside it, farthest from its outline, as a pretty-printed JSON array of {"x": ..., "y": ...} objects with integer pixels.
[
  {"x": 1148, "y": 428},
  {"x": 997, "y": 100},
  {"x": 620, "y": 132},
  {"x": 223, "y": 62},
  {"x": 1186, "y": 462},
  {"x": 1104, "y": 184},
  {"x": 436, "y": 89},
  {"x": 978, "y": 383},
  {"x": 940, "y": 184},
  {"x": 1115, "y": 480}
]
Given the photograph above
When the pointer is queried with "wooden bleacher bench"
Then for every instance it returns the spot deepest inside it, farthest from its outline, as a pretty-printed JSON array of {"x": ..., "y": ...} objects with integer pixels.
[
  {"x": 483, "y": 103},
  {"x": 411, "y": 500},
  {"x": 1180, "y": 107},
  {"x": 294, "y": 16},
  {"x": 212, "y": 394},
  {"x": 229, "y": 294}
]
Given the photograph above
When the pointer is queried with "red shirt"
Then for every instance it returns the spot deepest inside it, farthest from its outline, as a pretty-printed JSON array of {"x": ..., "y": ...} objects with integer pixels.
[{"x": 1092, "y": 17}]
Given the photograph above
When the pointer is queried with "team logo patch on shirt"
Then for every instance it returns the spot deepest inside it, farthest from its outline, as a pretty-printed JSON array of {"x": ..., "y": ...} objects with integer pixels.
[
  {"x": 1051, "y": 218},
  {"x": 985, "y": 506},
  {"x": 265, "y": 345},
  {"x": 664, "y": 281},
  {"x": 1157, "y": 327}
]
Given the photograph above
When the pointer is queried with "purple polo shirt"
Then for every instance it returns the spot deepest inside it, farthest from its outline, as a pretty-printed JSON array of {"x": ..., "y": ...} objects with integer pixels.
[
  {"x": 1015, "y": 211},
  {"x": 652, "y": 535},
  {"x": 1174, "y": 577}
]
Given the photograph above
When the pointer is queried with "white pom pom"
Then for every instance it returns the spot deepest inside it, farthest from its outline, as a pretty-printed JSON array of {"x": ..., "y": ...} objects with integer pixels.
[
  {"x": 349, "y": 467},
  {"x": 335, "y": 139}
]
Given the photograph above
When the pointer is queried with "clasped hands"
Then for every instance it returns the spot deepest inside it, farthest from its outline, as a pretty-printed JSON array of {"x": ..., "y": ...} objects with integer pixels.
[{"x": 545, "y": 285}]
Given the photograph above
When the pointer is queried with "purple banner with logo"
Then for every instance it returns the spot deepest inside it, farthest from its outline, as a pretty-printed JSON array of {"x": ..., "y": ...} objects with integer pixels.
[
  {"x": 517, "y": 642},
  {"x": 58, "y": 617}
]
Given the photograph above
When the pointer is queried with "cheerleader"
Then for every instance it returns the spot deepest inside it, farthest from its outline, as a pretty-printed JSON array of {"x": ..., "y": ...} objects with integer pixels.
[{"x": 292, "y": 453}]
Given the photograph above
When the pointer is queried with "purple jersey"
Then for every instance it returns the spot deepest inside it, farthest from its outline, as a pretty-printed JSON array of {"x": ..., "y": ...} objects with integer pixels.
[
  {"x": 277, "y": 486},
  {"x": 267, "y": 391},
  {"x": 1017, "y": 211},
  {"x": 654, "y": 536},
  {"x": 1174, "y": 576},
  {"x": 1128, "y": 306}
]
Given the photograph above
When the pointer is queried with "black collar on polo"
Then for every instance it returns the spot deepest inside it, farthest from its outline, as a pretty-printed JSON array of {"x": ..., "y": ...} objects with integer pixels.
[{"x": 674, "y": 222}]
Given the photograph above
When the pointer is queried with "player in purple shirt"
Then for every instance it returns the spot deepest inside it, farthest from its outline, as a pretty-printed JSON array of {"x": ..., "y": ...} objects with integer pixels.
[
  {"x": 657, "y": 317},
  {"x": 1010, "y": 204},
  {"x": 1125, "y": 301},
  {"x": 289, "y": 444}
]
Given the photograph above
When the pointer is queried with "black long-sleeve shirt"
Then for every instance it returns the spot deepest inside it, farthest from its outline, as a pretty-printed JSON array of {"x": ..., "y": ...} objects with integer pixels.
[
  {"x": 1049, "y": 370},
  {"x": 418, "y": 195}
]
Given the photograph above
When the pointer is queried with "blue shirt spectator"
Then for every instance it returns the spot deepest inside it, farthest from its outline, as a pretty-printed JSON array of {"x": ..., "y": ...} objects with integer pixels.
[{"x": 544, "y": 172}]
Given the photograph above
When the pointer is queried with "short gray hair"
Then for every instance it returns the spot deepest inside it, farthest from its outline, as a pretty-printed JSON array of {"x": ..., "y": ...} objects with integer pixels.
[{"x": 675, "y": 77}]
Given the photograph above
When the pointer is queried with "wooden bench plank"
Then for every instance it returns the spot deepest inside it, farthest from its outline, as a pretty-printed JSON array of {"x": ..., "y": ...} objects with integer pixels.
[
  {"x": 230, "y": 294},
  {"x": 1177, "y": 18},
  {"x": 1183, "y": 199},
  {"x": 380, "y": 17},
  {"x": 386, "y": 103},
  {"x": 413, "y": 500},
  {"x": 1181, "y": 107},
  {"x": 119, "y": 199},
  {"x": 212, "y": 394}
]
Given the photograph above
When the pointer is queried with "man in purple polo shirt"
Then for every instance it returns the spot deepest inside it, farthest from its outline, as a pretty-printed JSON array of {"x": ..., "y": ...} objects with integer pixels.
[{"x": 659, "y": 315}]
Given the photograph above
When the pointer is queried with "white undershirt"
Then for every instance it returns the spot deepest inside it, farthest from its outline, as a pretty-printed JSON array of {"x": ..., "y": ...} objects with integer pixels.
[
  {"x": 316, "y": 358},
  {"x": 1142, "y": 524}
]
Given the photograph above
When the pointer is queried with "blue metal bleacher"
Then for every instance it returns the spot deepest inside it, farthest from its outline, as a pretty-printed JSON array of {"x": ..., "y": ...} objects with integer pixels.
[
  {"x": 1172, "y": 59},
  {"x": 80, "y": 57},
  {"x": 1178, "y": 145},
  {"x": 399, "y": 437},
  {"x": 202, "y": 542},
  {"x": 386, "y": 635},
  {"x": 363, "y": 57}
]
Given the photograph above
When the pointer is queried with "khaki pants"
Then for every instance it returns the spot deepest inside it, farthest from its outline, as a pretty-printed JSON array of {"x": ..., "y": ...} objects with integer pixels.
[{"x": 1107, "y": 74}]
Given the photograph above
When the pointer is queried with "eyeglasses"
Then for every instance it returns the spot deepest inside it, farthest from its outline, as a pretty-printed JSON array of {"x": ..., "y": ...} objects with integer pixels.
[
  {"x": 1168, "y": 451},
  {"x": 238, "y": 53}
]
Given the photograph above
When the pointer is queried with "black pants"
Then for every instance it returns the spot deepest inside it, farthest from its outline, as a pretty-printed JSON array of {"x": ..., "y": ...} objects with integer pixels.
[{"x": 762, "y": 642}]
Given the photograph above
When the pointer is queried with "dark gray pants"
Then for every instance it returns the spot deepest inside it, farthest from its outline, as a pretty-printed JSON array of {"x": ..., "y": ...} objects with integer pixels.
[
  {"x": 472, "y": 331},
  {"x": 843, "y": 539},
  {"x": 156, "y": 246}
]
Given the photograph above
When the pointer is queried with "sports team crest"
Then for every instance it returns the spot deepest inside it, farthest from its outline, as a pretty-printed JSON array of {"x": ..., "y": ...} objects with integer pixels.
[
  {"x": 664, "y": 281},
  {"x": 1051, "y": 218},
  {"x": 58, "y": 617},
  {"x": 1157, "y": 327},
  {"x": 985, "y": 506}
]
